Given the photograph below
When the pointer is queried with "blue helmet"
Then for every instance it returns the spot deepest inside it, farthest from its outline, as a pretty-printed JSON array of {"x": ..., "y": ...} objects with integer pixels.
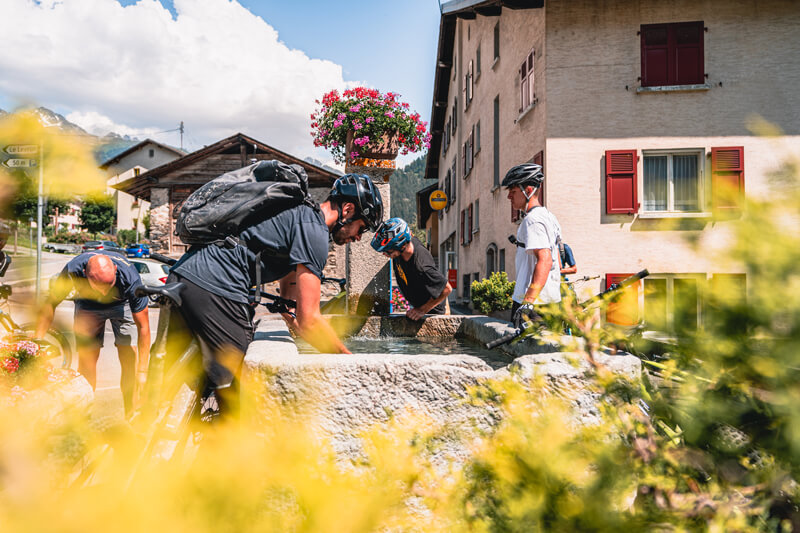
[{"x": 391, "y": 235}]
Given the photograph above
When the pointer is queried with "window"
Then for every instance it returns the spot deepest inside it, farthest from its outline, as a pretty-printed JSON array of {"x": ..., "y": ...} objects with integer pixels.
[
  {"x": 478, "y": 62},
  {"x": 468, "y": 84},
  {"x": 501, "y": 260},
  {"x": 491, "y": 259},
  {"x": 466, "y": 281},
  {"x": 151, "y": 152},
  {"x": 497, "y": 41},
  {"x": 477, "y": 138},
  {"x": 446, "y": 139},
  {"x": 475, "y": 221},
  {"x": 526, "y": 86},
  {"x": 137, "y": 171},
  {"x": 468, "y": 153},
  {"x": 672, "y": 301},
  {"x": 454, "y": 115},
  {"x": 470, "y": 222},
  {"x": 496, "y": 142},
  {"x": 466, "y": 225},
  {"x": 672, "y": 182},
  {"x": 454, "y": 183},
  {"x": 447, "y": 191},
  {"x": 672, "y": 54},
  {"x": 624, "y": 310}
]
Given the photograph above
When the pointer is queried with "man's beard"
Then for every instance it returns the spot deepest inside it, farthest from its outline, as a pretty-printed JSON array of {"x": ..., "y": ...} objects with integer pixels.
[{"x": 339, "y": 237}]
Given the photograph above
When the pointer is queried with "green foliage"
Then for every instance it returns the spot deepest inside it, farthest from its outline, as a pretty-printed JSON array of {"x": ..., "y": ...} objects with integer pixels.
[
  {"x": 66, "y": 237},
  {"x": 23, "y": 205},
  {"x": 97, "y": 214},
  {"x": 493, "y": 293},
  {"x": 406, "y": 182},
  {"x": 126, "y": 236}
]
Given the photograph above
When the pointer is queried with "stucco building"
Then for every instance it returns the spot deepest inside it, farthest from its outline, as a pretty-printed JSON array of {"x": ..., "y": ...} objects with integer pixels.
[
  {"x": 128, "y": 164},
  {"x": 639, "y": 112}
]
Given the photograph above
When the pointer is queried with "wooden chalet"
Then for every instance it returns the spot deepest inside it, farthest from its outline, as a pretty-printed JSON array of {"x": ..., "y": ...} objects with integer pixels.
[{"x": 166, "y": 187}]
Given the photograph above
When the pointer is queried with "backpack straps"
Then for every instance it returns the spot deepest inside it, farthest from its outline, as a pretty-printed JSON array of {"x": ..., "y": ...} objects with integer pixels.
[{"x": 257, "y": 296}]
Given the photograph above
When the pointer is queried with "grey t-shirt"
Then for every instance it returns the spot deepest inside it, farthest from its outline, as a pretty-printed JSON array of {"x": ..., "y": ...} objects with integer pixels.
[{"x": 297, "y": 236}]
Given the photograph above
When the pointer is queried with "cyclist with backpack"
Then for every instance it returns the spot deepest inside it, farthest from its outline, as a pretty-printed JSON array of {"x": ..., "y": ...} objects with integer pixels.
[
  {"x": 287, "y": 241},
  {"x": 538, "y": 277},
  {"x": 421, "y": 283}
]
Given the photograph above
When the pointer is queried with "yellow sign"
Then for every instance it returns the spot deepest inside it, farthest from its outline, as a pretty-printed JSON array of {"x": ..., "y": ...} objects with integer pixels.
[{"x": 438, "y": 200}]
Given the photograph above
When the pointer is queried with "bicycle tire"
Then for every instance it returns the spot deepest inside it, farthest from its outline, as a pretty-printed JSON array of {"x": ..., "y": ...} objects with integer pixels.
[{"x": 56, "y": 341}]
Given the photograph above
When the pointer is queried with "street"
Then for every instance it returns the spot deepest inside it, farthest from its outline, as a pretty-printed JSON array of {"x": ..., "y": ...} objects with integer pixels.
[{"x": 21, "y": 276}]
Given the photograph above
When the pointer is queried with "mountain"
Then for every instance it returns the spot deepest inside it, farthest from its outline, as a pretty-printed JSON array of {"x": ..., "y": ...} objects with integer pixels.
[
  {"x": 104, "y": 148},
  {"x": 405, "y": 183},
  {"x": 320, "y": 164}
]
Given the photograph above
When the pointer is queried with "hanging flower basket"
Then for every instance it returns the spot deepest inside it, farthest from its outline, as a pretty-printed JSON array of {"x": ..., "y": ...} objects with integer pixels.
[{"x": 365, "y": 123}]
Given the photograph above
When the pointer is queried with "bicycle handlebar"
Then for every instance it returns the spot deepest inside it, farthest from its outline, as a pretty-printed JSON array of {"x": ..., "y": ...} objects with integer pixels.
[{"x": 163, "y": 258}]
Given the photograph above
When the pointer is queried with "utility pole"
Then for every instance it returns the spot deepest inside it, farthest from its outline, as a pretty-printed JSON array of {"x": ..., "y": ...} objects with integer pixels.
[
  {"x": 39, "y": 217},
  {"x": 181, "y": 128}
]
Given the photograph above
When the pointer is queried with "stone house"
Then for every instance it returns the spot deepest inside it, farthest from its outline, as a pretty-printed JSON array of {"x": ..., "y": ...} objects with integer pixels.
[
  {"x": 129, "y": 164},
  {"x": 638, "y": 111}
]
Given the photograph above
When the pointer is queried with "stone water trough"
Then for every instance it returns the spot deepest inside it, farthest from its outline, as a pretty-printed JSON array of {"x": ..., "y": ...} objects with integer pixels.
[{"x": 340, "y": 396}]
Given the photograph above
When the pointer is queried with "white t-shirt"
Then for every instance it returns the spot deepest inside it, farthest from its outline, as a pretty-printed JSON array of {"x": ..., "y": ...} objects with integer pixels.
[{"x": 539, "y": 229}]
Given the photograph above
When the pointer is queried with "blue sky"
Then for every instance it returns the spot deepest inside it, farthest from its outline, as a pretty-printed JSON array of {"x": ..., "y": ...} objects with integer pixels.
[{"x": 141, "y": 66}]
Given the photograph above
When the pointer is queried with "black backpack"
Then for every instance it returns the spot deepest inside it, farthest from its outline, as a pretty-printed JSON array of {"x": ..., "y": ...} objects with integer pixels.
[{"x": 222, "y": 208}]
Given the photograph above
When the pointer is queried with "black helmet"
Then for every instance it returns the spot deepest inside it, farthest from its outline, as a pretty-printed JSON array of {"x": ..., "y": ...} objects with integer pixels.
[
  {"x": 360, "y": 190},
  {"x": 524, "y": 175}
]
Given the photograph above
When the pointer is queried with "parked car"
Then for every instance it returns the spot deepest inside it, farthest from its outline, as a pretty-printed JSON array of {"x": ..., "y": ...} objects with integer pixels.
[
  {"x": 153, "y": 273},
  {"x": 61, "y": 248},
  {"x": 138, "y": 250},
  {"x": 110, "y": 246}
]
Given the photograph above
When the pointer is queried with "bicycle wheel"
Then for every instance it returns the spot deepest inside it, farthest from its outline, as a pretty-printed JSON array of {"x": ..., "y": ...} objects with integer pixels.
[{"x": 55, "y": 342}]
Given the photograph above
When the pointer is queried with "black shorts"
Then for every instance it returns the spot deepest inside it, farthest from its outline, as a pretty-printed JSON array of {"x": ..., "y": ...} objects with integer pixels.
[{"x": 224, "y": 328}]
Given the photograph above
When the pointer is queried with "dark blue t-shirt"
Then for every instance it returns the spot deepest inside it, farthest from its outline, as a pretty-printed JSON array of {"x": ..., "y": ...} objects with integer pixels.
[
  {"x": 297, "y": 236},
  {"x": 123, "y": 291},
  {"x": 567, "y": 259}
]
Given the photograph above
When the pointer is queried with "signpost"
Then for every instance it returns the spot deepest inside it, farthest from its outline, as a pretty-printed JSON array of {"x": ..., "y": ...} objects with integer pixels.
[
  {"x": 20, "y": 163},
  {"x": 21, "y": 149}
]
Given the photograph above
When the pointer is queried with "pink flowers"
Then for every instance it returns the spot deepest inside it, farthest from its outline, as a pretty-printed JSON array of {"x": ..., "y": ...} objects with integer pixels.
[
  {"x": 10, "y": 365},
  {"x": 369, "y": 115}
]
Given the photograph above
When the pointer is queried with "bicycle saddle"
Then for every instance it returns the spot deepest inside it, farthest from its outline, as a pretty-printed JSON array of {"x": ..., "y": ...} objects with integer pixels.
[{"x": 171, "y": 291}]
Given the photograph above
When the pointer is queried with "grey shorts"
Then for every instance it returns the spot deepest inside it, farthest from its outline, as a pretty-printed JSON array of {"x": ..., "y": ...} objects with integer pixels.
[{"x": 94, "y": 325}]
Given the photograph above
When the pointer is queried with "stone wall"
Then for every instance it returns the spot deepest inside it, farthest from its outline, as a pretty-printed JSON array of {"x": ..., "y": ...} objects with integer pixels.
[{"x": 160, "y": 225}]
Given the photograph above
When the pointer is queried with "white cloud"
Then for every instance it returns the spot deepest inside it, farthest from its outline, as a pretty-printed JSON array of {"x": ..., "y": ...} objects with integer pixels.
[{"x": 136, "y": 70}]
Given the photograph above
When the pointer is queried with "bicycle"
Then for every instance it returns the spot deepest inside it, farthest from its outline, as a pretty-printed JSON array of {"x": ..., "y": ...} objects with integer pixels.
[
  {"x": 54, "y": 342},
  {"x": 610, "y": 291}
]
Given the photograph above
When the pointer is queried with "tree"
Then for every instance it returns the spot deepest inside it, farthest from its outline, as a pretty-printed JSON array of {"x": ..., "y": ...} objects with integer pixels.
[
  {"x": 24, "y": 205},
  {"x": 98, "y": 213}
]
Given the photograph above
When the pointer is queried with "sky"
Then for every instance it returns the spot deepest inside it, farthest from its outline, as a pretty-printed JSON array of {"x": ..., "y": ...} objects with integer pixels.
[{"x": 140, "y": 67}]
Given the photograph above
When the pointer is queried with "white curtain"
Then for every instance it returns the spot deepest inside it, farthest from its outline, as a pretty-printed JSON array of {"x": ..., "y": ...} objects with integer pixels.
[
  {"x": 655, "y": 183},
  {"x": 684, "y": 170}
]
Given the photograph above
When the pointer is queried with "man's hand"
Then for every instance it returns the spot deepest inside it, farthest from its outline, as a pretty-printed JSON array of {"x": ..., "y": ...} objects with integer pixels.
[
  {"x": 415, "y": 313},
  {"x": 525, "y": 313}
]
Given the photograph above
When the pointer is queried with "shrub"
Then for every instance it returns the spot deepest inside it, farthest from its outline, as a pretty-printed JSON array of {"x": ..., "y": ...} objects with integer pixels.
[
  {"x": 492, "y": 293},
  {"x": 126, "y": 236}
]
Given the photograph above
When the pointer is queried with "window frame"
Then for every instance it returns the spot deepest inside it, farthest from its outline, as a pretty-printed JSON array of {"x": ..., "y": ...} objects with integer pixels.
[
  {"x": 476, "y": 217},
  {"x": 527, "y": 82},
  {"x": 702, "y": 183},
  {"x": 700, "y": 278}
]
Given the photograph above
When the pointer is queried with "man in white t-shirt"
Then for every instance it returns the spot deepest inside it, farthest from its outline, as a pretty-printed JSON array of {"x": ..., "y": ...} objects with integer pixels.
[{"x": 538, "y": 270}]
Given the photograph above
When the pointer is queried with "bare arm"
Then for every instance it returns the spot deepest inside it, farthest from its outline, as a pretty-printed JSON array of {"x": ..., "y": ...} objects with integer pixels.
[
  {"x": 142, "y": 320},
  {"x": 569, "y": 270},
  {"x": 311, "y": 326},
  {"x": 288, "y": 285},
  {"x": 46, "y": 314},
  {"x": 544, "y": 262},
  {"x": 418, "y": 312}
]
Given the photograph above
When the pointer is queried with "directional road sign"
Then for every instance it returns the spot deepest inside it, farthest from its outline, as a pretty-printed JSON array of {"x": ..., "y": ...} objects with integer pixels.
[
  {"x": 20, "y": 163},
  {"x": 21, "y": 149}
]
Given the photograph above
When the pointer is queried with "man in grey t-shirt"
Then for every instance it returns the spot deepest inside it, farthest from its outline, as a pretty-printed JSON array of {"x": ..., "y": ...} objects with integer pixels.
[{"x": 294, "y": 249}]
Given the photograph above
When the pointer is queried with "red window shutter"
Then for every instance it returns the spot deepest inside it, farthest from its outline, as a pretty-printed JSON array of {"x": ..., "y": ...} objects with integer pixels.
[
  {"x": 539, "y": 160},
  {"x": 469, "y": 223},
  {"x": 523, "y": 73},
  {"x": 727, "y": 179},
  {"x": 655, "y": 54},
  {"x": 621, "y": 185},
  {"x": 464, "y": 160},
  {"x": 688, "y": 38},
  {"x": 624, "y": 311},
  {"x": 463, "y": 237}
]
